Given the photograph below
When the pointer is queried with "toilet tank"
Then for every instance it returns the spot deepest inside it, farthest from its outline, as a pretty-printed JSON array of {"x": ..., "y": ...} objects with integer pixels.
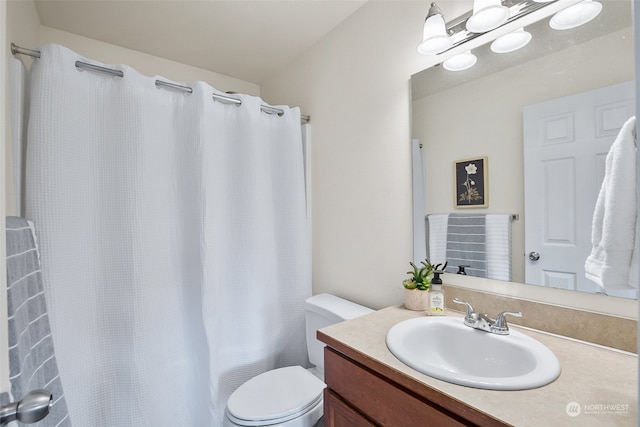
[{"x": 324, "y": 310}]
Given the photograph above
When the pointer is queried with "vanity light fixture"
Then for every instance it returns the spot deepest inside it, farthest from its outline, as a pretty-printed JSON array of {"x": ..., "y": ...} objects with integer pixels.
[
  {"x": 434, "y": 34},
  {"x": 511, "y": 42},
  {"x": 440, "y": 36},
  {"x": 576, "y": 15},
  {"x": 487, "y": 15},
  {"x": 460, "y": 62}
]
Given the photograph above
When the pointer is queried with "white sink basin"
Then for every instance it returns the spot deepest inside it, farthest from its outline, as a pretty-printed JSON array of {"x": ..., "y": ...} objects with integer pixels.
[{"x": 444, "y": 348}]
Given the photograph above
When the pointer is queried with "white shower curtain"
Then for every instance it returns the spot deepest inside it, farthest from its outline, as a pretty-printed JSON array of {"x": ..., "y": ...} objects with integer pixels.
[{"x": 174, "y": 241}]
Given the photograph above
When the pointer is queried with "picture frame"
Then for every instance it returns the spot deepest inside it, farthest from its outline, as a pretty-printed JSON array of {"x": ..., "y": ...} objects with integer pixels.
[{"x": 471, "y": 183}]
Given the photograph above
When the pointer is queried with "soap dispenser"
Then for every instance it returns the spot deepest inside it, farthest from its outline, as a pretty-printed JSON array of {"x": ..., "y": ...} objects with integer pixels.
[
  {"x": 461, "y": 269},
  {"x": 436, "y": 295}
]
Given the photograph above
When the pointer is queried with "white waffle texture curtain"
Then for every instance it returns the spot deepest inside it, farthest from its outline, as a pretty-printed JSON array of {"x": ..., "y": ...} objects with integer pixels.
[{"x": 174, "y": 241}]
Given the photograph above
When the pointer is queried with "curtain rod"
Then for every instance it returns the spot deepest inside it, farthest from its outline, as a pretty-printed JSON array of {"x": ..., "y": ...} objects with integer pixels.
[{"x": 17, "y": 50}]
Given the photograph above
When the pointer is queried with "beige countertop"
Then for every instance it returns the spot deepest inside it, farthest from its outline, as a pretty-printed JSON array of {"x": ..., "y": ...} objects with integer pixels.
[{"x": 602, "y": 381}]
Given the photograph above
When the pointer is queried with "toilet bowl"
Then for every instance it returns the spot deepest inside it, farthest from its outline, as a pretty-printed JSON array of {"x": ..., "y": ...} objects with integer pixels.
[{"x": 292, "y": 396}]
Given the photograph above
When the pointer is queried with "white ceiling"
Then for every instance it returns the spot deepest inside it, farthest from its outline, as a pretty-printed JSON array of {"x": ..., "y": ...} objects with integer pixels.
[{"x": 246, "y": 39}]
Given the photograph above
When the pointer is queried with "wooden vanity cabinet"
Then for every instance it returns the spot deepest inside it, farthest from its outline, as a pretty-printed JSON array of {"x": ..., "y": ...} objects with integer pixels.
[{"x": 357, "y": 395}]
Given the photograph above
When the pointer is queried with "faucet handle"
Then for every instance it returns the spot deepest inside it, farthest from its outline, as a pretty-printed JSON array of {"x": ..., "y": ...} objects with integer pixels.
[
  {"x": 500, "y": 325},
  {"x": 469, "y": 308}
]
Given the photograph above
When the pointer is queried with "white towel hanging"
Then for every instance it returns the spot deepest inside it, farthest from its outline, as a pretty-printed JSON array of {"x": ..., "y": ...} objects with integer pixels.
[{"x": 614, "y": 262}]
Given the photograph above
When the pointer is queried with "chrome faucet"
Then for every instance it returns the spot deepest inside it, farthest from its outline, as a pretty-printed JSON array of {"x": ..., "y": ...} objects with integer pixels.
[{"x": 483, "y": 322}]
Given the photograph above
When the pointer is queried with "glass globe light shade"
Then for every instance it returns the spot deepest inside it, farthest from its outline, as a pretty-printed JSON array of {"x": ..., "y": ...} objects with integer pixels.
[
  {"x": 434, "y": 36},
  {"x": 460, "y": 62},
  {"x": 575, "y": 15},
  {"x": 511, "y": 42},
  {"x": 487, "y": 15}
]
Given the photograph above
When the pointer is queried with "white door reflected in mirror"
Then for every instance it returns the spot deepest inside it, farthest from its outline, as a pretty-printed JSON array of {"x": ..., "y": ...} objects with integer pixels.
[{"x": 565, "y": 148}]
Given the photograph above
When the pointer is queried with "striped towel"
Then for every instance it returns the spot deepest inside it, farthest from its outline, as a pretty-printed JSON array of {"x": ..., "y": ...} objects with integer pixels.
[
  {"x": 466, "y": 244},
  {"x": 32, "y": 362},
  {"x": 453, "y": 247}
]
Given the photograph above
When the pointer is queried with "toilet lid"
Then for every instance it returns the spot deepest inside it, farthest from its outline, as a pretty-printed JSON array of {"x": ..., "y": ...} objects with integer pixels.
[{"x": 276, "y": 394}]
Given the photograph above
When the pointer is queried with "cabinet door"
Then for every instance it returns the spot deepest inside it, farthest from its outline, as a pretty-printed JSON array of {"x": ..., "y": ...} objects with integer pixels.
[
  {"x": 339, "y": 414},
  {"x": 380, "y": 400}
]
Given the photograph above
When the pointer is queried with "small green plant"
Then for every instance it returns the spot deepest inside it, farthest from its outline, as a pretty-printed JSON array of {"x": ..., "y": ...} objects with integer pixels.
[{"x": 421, "y": 276}]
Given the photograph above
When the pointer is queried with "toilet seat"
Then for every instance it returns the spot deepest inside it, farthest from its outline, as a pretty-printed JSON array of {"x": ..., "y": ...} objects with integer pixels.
[{"x": 275, "y": 396}]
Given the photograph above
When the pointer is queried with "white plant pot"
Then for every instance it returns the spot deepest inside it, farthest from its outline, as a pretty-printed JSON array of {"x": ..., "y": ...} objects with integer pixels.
[{"x": 415, "y": 299}]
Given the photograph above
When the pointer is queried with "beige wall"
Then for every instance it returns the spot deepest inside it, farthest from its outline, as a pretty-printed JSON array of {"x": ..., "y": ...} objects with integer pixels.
[
  {"x": 144, "y": 63},
  {"x": 490, "y": 122},
  {"x": 23, "y": 25},
  {"x": 355, "y": 85}
]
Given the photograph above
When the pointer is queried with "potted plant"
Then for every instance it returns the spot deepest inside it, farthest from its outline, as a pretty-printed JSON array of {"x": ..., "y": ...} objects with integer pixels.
[{"x": 416, "y": 286}]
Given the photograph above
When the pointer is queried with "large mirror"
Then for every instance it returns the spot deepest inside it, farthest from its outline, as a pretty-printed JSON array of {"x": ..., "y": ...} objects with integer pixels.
[{"x": 479, "y": 112}]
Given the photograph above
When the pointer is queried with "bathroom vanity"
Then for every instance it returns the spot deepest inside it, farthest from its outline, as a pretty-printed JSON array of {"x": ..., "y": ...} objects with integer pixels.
[{"x": 368, "y": 386}]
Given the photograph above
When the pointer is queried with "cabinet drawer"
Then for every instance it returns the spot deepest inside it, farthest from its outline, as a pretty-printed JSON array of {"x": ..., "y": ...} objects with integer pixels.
[
  {"x": 383, "y": 402},
  {"x": 338, "y": 414}
]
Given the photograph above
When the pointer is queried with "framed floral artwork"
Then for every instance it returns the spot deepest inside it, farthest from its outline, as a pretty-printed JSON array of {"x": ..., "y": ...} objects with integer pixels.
[{"x": 472, "y": 186}]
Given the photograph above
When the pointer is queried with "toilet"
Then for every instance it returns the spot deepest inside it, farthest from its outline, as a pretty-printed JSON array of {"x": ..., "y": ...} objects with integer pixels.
[{"x": 292, "y": 396}]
